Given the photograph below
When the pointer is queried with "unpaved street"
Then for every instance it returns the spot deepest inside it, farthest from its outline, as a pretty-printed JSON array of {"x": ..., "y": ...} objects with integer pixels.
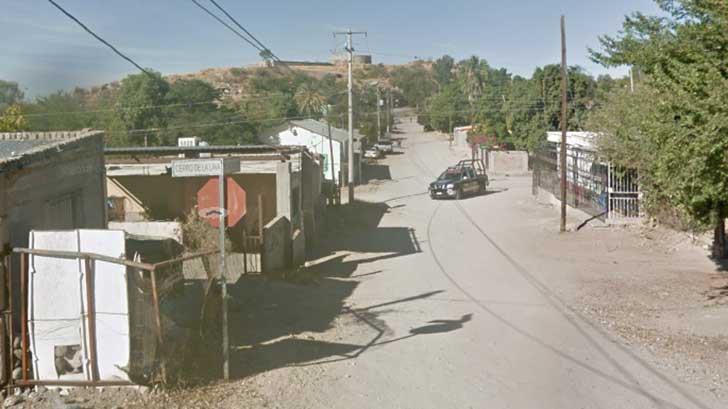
[
  {"x": 478, "y": 303},
  {"x": 429, "y": 304}
]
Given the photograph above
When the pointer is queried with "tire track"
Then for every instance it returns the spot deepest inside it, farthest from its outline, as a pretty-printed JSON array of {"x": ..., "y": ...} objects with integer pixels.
[{"x": 560, "y": 306}]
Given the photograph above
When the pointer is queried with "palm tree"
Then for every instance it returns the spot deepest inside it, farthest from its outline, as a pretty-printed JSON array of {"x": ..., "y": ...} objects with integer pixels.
[{"x": 309, "y": 99}]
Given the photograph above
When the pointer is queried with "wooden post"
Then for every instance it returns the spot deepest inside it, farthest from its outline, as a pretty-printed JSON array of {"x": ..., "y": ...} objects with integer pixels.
[
  {"x": 91, "y": 317},
  {"x": 564, "y": 101},
  {"x": 24, "y": 314},
  {"x": 158, "y": 322}
]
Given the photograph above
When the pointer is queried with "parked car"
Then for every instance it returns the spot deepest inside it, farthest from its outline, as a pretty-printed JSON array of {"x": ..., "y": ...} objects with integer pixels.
[
  {"x": 385, "y": 146},
  {"x": 467, "y": 177},
  {"x": 373, "y": 153}
]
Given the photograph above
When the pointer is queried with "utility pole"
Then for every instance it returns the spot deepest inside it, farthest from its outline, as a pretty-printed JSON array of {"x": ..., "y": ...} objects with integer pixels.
[
  {"x": 350, "y": 152},
  {"x": 389, "y": 107},
  {"x": 562, "y": 156},
  {"x": 631, "y": 79},
  {"x": 379, "y": 115}
]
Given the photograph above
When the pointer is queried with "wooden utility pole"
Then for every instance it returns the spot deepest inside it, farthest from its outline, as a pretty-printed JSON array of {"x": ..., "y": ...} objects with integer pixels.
[{"x": 564, "y": 101}]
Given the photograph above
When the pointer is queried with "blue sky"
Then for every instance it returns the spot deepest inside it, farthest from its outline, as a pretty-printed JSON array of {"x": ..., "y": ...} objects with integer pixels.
[{"x": 45, "y": 51}]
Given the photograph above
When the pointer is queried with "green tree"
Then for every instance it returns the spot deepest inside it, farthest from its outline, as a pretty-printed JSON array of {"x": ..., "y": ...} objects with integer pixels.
[
  {"x": 12, "y": 119},
  {"x": 442, "y": 69},
  {"x": 682, "y": 57},
  {"x": 10, "y": 93},
  {"x": 415, "y": 82},
  {"x": 60, "y": 110},
  {"x": 141, "y": 106},
  {"x": 309, "y": 99}
]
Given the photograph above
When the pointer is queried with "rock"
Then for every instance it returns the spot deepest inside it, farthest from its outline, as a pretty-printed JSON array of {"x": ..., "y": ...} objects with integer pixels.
[
  {"x": 63, "y": 392},
  {"x": 41, "y": 389},
  {"x": 16, "y": 343},
  {"x": 11, "y": 401},
  {"x": 17, "y": 373},
  {"x": 18, "y": 354}
]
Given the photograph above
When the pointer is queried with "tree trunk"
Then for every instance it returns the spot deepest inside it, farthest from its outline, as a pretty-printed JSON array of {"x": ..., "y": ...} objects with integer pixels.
[{"x": 719, "y": 250}]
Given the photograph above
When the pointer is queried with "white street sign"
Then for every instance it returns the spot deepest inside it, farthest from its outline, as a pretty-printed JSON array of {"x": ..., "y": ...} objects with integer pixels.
[{"x": 205, "y": 167}]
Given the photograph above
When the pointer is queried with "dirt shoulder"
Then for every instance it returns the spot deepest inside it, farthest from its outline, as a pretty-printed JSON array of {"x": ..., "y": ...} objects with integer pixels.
[{"x": 657, "y": 291}]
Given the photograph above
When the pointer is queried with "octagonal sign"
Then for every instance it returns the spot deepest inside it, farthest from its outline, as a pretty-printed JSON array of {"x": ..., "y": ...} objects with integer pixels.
[{"x": 208, "y": 202}]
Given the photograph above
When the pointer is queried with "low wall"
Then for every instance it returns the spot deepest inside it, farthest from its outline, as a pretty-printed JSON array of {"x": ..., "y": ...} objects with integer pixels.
[
  {"x": 544, "y": 196},
  {"x": 511, "y": 162},
  {"x": 276, "y": 245}
]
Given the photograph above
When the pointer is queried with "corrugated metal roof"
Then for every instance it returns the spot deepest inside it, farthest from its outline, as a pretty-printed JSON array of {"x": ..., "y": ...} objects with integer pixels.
[
  {"x": 322, "y": 128},
  {"x": 15, "y": 146}
]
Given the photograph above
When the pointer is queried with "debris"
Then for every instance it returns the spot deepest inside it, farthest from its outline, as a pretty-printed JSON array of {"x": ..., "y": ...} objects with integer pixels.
[{"x": 11, "y": 401}]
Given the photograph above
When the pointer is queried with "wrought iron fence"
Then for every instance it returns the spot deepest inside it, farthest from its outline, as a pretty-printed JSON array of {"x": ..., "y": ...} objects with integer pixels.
[{"x": 600, "y": 189}]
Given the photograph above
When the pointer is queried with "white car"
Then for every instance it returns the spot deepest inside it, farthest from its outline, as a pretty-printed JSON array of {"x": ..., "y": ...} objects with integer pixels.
[
  {"x": 384, "y": 146},
  {"x": 373, "y": 153}
]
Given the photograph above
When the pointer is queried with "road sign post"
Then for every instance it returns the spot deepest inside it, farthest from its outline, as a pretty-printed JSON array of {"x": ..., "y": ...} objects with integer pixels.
[{"x": 215, "y": 167}]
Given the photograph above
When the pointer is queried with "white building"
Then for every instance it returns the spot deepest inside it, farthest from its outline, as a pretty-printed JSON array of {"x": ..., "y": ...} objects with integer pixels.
[{"x": 314, "y": 135}]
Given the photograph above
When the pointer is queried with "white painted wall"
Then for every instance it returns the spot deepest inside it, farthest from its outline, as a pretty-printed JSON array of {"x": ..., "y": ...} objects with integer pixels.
[{"x": 315, "y": 143}]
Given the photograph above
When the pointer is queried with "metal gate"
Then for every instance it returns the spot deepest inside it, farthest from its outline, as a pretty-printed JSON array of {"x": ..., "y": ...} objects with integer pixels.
[
  {"x": 603, "y": 190},
  {"x": 623, "y": 195}
]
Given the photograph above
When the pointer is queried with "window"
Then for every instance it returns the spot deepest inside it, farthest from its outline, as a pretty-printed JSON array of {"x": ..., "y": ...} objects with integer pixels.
[{"x": 64, "y": 212}]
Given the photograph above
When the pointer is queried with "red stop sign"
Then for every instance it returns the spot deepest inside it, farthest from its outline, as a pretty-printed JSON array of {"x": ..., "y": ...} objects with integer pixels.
[{"x": 208, "y": 199}]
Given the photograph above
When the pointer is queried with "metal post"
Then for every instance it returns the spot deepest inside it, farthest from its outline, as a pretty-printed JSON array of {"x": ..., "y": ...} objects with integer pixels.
[
  {"x": 223, "y": 278},
  {"x": 562, "y": 159}
]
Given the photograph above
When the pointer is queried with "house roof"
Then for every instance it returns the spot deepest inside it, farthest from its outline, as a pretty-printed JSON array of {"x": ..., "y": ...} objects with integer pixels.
[
  {"x": 583, "y": 140},
  {"x": 16, "y": 147},
  {"x": 322, "y": 128}
]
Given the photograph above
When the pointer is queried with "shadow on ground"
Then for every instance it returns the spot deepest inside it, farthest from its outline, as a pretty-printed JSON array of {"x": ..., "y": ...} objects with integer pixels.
[
  {"x": 276, "y": 323},
  {"x": 375, "y": 171}
]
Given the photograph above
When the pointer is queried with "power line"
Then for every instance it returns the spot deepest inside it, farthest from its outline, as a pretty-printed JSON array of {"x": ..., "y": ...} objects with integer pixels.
[
  {"x": 142, "y": 107},
  {"x": 221, "y": 21},
  {"x": 266, "y": 50},
  {"x": 271, "y": 119},
  {"x": 181, "y": 104},
  {"x": 88, "y": 30}
]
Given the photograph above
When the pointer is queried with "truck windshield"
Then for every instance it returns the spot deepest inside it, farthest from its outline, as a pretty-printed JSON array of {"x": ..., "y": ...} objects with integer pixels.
[{"x": 449, "y": 174}]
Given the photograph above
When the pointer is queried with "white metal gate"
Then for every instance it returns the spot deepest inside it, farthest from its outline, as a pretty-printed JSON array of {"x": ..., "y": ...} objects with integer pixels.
[{"x": 624, "y": 196}]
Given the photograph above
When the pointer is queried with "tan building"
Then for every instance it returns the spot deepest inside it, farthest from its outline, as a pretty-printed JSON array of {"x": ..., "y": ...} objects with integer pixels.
[
  {"x": 50, "y": 181},
  {"x": 278, "y": 181}
]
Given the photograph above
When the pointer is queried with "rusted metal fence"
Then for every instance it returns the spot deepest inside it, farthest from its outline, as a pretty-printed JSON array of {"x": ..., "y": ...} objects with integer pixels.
[{"x": 156, "y": 288}]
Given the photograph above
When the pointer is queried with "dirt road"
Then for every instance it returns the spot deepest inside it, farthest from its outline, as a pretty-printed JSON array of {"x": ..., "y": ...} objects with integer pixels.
[{"x": 435, "y": 304}]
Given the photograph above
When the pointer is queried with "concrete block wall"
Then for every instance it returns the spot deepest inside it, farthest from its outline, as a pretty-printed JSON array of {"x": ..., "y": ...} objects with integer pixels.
[
  {"x": 276, "y": 245},
  {"x": 511, "y": 162}
]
